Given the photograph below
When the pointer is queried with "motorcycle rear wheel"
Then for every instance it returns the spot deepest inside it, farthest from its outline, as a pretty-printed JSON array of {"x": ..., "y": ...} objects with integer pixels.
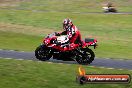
[
  {"x": 86, "y": 58},
  {"x": 43, "y": 53}
]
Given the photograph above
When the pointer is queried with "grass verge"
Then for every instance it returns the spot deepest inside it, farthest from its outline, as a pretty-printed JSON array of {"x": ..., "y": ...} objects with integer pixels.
[
  {"x": 18, "y": 41},
  {"x": 33, "y": 74},
  {"x": 65, "y": 5}
]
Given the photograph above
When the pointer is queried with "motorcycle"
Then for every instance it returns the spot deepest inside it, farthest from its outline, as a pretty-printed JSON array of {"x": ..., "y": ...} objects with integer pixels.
[
  {"x": 109, "y": 9},
  {"x": 59, "y": 48}
]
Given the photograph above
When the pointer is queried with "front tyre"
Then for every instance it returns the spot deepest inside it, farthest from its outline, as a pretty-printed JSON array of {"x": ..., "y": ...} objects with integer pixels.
[
  {"x": 43, "y": 53},
  {"x": 86, "y": 56}
]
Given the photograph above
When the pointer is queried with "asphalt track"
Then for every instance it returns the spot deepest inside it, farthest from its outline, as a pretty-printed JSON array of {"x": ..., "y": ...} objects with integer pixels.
[{"x": 98, "y": 62}]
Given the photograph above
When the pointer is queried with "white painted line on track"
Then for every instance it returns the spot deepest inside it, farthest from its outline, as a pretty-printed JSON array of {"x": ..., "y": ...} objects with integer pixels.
[
  {"x": 50, "y": 62},
  {"x": 8, "y": 58},
  {"x": 107, "y": 58},
  {"x": 110, "y": 58},
  {"x": 11, "y": 50},
  {"x": 101, "y": 67},
  {"x": 110, "y": 68},
  {"x": 120, "y": 69},
  {"x": 19, "y": 59},
  {"x": 39, "y": 61},
  {"x": 121, "y": 59},
  {"x": 22, "y": 51}
]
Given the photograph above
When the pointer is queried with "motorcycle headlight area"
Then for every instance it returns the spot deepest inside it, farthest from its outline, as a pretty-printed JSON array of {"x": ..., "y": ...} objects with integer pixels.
[{"x": 46, "y": 42}]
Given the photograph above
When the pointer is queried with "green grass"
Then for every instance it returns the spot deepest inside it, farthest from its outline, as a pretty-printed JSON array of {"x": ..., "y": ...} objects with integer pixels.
[
  {"x": 17, "y": 41},
  {"x": 32, "y": 74},
  {"x": 69, "y": 5}
]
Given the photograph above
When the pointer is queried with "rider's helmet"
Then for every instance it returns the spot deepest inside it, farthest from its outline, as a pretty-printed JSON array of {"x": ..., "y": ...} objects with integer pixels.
[
  {"x": 67, "y": 23},
  {"x": 109, "y": 4}
]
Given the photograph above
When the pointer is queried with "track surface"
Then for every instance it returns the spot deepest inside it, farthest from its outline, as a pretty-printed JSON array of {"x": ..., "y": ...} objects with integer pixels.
[{"x": 110, "y": 63}]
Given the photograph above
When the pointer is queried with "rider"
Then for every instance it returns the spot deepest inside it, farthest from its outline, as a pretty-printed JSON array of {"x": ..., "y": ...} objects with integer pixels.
[
  {"x": 72, "y": 31},
  {"x": 109, "y": 5}
]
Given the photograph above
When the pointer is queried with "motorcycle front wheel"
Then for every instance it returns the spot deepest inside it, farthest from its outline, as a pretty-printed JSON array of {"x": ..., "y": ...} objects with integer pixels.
[{"x": 43, "y": 53}]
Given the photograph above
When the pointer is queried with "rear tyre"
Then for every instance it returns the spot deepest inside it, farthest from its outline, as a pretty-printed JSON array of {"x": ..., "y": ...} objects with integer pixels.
[
  {"x": 113, "y": 10},
  {"x": 86, "y": 57},
  {"x": 43, "y": 53}
]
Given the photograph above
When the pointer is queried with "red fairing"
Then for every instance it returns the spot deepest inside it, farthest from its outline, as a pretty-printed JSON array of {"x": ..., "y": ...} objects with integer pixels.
[
  {"x": 91, "y": 43},
  {"x": 95, "y": 40},
  {"x": 66, "y": 48},
  {"x": 48, "y": 41},
  {"x": 84, "y": 44}
]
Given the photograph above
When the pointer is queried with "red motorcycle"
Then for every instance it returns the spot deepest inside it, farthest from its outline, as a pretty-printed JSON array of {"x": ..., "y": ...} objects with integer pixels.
[{"x": 60, "y": 48}]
